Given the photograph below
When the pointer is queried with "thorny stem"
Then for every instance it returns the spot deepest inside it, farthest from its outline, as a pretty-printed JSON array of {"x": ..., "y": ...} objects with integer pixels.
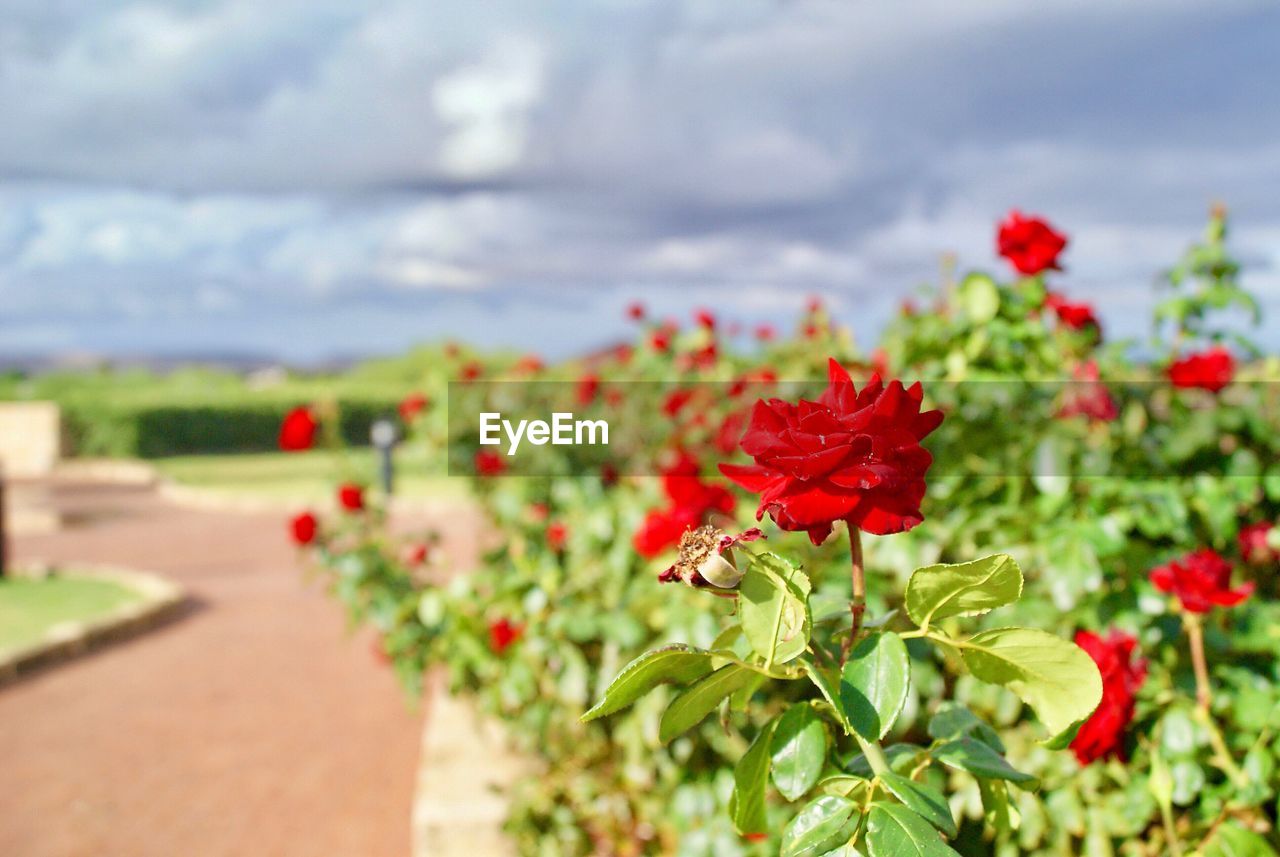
[{"x": 858, "y": 577}]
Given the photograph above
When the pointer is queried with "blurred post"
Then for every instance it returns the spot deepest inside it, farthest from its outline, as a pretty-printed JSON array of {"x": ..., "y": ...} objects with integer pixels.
[
  {"x": 4, "y": 530},
  {"x": 383, "y": 434}
]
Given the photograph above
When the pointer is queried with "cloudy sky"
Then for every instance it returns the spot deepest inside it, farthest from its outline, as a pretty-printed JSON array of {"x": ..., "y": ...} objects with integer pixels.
[{"x": 315, "y": 177}]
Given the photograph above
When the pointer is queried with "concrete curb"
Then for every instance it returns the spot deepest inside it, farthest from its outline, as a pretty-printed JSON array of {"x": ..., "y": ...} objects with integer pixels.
[
  {"x": 161, "y": 601},
  {"x": 465, "y": 768}
]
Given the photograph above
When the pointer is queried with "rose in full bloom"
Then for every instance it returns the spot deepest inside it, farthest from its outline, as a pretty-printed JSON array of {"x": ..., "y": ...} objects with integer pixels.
[
  {"x": 1103, "y": 734},
  {"x": 1201, "y": 580},
  {"x": 412, "y": 405},
  {"x": 850, "y": 456},
  {"x": 1210, "y": 370},
  {"x": 557, "y": 534},
  {"x": 1029, "y": 243},
  {"x": 489, "y": 463},
  {"x": 503, "y": 633},
  {"x": 304, "y": 528},
  {"x": 298, "y": 431},
  {"x": 689, "y": 501},
  {"x": 1255, "y": 544},
  {"x": 351, "y": 497},
  {"x": 1077, "y": 316}
]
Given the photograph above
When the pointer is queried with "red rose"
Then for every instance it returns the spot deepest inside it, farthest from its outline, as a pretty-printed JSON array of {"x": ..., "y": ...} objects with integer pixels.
[
  {"x": 588, "y": 386},
  {"x": 1075, "y": 316},
  {"x": 304, "y": 528},
  {"x": 766, "y": 333},
  {"x": 705, "y": 318},
  {"x": 1201, "y": 580},
  {"x": 689, "y": 500},
  {"x": 623, "y": 354},
  {"x": 416, "y": 554},
  {"x": 1089, "y": 399},
  {"x": 502, "y": 634},
  {"x": 660, "y": 341},
  {"x": 1029, "y": 243},
  {"x": 489, "y": 463},
  {"x": 351, "y": 497},
  {"x": 412, "y": 405},
  {"x": 849, "y": 456},
  {"x": 1103, "y": 733},
  {"x": 530, "y": 364},
  {"x": 298, "y": 431},
  {"x": 635, "y": 311},
  {"x": 471, "y": 372},
  {"x": 675, "y": 401},
  {"x": 1255, "y": 544},
  {"x": 1211, "y": 369},
  {"x": 557, "y": 535}
]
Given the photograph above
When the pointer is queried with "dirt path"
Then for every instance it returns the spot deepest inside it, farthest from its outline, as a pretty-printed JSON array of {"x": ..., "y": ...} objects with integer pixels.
[{"x": 252, "y": 726}]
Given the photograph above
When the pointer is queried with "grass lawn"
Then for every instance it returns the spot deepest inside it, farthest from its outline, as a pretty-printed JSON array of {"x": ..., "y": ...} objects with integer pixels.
[
  {"x": 307, "y": 477},
  {"x": 29, "y": 606}
]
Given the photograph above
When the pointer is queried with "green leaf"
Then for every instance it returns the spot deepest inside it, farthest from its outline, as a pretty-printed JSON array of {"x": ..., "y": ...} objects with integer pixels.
[
  {"x": 679, "y": 664},
  {"x": 829, "y": 687},
  {"x": 895, "y": 831},
  {"x": 997, "y": 810},
  {"x": 874, "y": 684},
  {"x": 750, "y": 777},
  {"x": 979, "y": 297},
  {"x": 953, "y": 720},
  {"x": 799, "y": 751},
  {"x": 700, "y": 699},
  {"x": 924, "y": 800},
  {"x": 1232, "y": 840},
  {"x": 823, "y": 824},
  {"x": 966, "y": 754},
  {"x": 965, "y": 589},
  {"x": 1056, "y": 678},
  {"x": 775, "y": 608}
]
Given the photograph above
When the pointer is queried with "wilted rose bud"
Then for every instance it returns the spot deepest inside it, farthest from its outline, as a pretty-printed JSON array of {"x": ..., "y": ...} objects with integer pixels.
[{"x": 701, "y": 561}]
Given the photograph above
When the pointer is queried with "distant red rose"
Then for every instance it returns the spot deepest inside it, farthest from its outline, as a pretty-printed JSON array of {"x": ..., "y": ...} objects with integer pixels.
[
  {"x": 530, "y": 364},
  {"x": 489, "y": 463},
  {"x": 675, "y": 401},
  {"x": 1091, "y": 398},
  {"x": 689, "y": 501},
  {"x": 1211, "y": 370},
  {"x": 588, "y": 386},
  {"x": 908, "y": 307},
  {"x": 850, "y": 456},
  {"x": 539, "y": 511},
  {"x": 298, "y": 430},
  {"x": 557, "y": 534},
  {"x": 705, "y": 318},
  {"x": 1255, "y": 544},
  {"x": 1077, "y": 316},
  {"x": 412, "y": 405},
  {"x": 1103, "y": 734},
  {"x": 351, "y": 497},
  {"x": 623, "y": 353},
  {"x": 471, "y": 372},
  {"x": 814, "y": 304},
  {"x": 416, "y": 554},
  {"x": 1201, "y": 580},
  {"x": 1029, "y": 243},
  {"x": 503, "y": 633},
  {"x": 729, "y": 435},
  {"x": 635, "y": 311},
  {"x": 660, "y": 341},
  {"x": 766, "y": 332},
  {"x": 304, "y": 528}
]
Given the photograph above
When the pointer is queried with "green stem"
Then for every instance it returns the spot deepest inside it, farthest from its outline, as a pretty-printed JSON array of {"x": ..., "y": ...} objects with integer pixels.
[
  {"x": 1170, "y": 830},
  {"x": 875, "y": 756}
]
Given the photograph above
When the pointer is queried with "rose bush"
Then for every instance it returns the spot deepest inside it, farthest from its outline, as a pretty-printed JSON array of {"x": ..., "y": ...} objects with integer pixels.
[{"x": 913, "y": 695}]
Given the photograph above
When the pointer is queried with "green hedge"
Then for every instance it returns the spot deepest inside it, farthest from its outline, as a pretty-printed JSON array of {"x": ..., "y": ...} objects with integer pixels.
[{"x": 161, "y": 430}]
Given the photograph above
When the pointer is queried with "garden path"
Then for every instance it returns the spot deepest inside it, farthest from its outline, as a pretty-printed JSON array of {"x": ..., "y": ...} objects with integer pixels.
[{"x": 254, "y": 724}]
